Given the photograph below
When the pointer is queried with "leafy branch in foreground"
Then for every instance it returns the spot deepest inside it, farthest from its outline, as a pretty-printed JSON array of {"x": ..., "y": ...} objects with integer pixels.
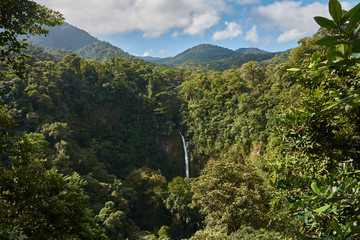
[
  {"x": 320, "y": 139},
  {"x": 22, "y": 17}
]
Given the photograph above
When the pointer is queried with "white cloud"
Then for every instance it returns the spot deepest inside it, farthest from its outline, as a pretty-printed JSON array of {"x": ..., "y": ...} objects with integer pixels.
[
  {"x": 146, "y": 54},
  {"x": 290, "y": 35},
  {"x": 152, "y": 17},
  {"x": 162, "y": 51},
  {"x": 293, "y": 18},
  {"x": 201, "y": 23},
  {"x": 232, "y": 30},
  {"x": 252, "y": 35}
]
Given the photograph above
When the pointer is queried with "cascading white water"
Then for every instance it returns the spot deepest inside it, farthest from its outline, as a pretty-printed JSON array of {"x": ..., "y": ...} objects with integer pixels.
[{"x": 187, "y": 163}]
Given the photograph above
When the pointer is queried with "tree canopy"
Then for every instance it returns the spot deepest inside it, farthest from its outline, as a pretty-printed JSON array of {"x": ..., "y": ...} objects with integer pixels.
[{"x": 91, "y": 149}]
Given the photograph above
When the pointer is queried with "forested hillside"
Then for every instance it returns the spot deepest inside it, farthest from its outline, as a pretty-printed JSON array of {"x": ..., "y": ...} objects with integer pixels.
[
  {"x": 202, "y": 53},
  {"x": 214, "y": 57},
  {"x": 92, "y": 149},
  {"x": 240, "y": 60},
  {"x": 102, "y": 51},
  {"x": 65, "y": 36}
]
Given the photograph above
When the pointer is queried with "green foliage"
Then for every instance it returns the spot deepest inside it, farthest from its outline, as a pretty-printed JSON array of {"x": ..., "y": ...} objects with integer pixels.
[
  {"x": 180, "y": 195},
  {"x": 133, "y": 120},
  {"x": 317, "y": 170},
  {"x": 119, "y": 119},
  {"x": 244, "y": 233},
  {"x": 135, "y": 107},
  {"x": 230, "y": 195},
  {"x": 114, "y": 221},
  {"x": 148, "y": 210},
  {"x": 229, "y": 114},
  {"x": 251, "y": 234},
  {"x": 102, "y": 52},
  {"x": 36, "y": 202},
  {"x": 186, "y": 220},
  {"x": 278, "y": 59},
  {"x": 164, "y": 233},
  {"x": 238, "y": 60}
]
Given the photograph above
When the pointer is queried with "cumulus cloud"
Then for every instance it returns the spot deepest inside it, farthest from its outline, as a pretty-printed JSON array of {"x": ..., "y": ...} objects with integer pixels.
[
  {"x": 290, "y": 35},
  {"x": 201, "y": 23},
  {"x": 232, "y": 30},
  {"x": 292, "y": 17},
  {"x": 146, "y": 54},
  {"x": 252, "y": 35},
  {"x": 152, "y": 17}
]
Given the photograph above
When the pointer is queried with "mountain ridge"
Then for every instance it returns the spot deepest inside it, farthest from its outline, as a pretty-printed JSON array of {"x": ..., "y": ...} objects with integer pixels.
[
  {"x": 214, "y": 57},
  {"x": 82, "y": 43}
]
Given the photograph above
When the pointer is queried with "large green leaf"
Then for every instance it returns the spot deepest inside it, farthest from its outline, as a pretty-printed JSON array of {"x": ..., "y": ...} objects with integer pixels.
[
  {"x": 324, "y": 22},
  {"x": 335, "y": 11},
  {"x": 354, "y": 19},
  {"x": 339, "y": 102},
  {"x": 348, "y": 14},
  {"x": 323, "y": 208},
  {"x": 315, "y": 188},
  {"x": 329, "y": 41},
  {"x": 332, "y": 53}
]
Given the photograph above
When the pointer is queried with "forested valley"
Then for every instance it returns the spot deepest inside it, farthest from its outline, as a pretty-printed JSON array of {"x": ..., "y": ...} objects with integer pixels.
[{"x": 93, "y": 150}]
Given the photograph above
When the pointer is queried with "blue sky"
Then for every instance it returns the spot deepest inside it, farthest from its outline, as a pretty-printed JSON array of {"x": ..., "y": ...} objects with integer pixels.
[{"x": 162, "y": 28}]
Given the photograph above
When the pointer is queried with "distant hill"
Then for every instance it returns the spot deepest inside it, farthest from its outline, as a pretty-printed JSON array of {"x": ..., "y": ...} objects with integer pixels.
[
  {"x": 65, "y": 36},
  {"x": 102, "y": 51},
  {"x": 250, "y": 51},
  {"x": 202, "y": 53},
  {"x": 214, "y": 57}
]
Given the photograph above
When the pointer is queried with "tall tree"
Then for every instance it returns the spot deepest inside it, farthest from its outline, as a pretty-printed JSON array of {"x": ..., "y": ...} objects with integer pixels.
[
  {"x": 22, "y": 17},
  {"x": 37, "y": 203},
  {"x": 230, "y": 195}
]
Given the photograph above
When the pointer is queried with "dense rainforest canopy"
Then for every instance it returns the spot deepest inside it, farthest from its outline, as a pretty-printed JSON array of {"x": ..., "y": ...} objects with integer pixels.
[{"x": 92, "y": 150}]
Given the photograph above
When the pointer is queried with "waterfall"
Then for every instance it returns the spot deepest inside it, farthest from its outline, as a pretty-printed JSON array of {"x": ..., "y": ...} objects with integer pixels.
[{"x": 187, "y": 163}]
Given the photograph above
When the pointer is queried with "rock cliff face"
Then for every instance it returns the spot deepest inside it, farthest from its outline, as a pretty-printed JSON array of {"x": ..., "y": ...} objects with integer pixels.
[{"x": 172, "y": 152}]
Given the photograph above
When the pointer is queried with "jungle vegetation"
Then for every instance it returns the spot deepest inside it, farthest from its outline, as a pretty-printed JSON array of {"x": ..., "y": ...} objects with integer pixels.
[{"x": 91, "y": 149}]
